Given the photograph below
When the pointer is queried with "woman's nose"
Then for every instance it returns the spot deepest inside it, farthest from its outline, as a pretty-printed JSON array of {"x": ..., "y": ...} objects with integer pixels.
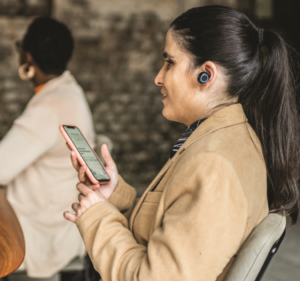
[{"x": 159, "y": 79}]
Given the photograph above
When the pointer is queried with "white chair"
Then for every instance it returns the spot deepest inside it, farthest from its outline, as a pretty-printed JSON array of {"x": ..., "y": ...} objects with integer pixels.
[{"x": 256, "y": 253}]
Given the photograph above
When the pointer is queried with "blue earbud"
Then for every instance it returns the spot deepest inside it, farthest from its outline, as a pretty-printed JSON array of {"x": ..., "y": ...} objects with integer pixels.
[{"x": 203, "y": 77}]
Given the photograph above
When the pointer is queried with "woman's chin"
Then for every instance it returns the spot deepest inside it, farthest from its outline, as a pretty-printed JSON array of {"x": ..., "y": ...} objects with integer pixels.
[
  {"x": 168, "y": 114},
  {"x": 165, "y": 113}
]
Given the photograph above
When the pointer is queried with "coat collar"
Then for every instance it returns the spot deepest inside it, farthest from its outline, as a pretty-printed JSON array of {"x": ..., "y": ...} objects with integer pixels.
[
  {"x": 225, "y": 117},
  {"x": 65, "y": 78}
]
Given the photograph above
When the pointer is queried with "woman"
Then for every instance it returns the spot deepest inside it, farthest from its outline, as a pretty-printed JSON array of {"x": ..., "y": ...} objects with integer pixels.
[
  {"x": 238, "y": 159},
  {"x": 34, "y": 163}
]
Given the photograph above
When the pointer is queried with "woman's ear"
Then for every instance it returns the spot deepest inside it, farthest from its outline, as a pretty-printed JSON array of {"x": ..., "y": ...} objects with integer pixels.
[
  {"x": 29, "y": 59},
  {"x": 207, "y": 74}
]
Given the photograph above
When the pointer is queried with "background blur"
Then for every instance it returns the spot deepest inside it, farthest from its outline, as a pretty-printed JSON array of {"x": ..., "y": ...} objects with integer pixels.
[{"x": 118, "y": 52}]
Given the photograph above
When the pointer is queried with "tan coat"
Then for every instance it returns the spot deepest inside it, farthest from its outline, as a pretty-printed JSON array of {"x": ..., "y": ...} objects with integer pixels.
[{"x": 212, "y": 193}]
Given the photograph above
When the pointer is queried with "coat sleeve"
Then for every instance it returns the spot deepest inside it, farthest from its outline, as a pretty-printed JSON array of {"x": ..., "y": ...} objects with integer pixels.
[
  {"x": 31, "y": 135},
  {"x": 124, "y": 198},
  {"x": 202, "y": 228}
]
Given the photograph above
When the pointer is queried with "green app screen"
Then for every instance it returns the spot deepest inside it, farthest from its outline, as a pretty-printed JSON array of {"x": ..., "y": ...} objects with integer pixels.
[{"x": 86, "y": 153}]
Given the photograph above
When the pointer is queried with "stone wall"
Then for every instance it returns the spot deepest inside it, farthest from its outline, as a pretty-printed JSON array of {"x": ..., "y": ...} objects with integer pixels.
[{"x": 119, "y": 46}]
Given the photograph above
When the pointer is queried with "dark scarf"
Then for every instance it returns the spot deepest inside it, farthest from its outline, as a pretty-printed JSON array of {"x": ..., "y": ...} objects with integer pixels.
[{"x": 185, "y": 136}]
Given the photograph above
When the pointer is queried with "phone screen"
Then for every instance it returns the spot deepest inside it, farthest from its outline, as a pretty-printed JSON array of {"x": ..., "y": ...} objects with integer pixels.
[{"x": 87, "y": 153}]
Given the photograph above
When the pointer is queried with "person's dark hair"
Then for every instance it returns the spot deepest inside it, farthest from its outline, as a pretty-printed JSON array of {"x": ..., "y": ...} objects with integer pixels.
[
  {"x": 50, "y": 43},
  {"x": 265, "y": 87}
]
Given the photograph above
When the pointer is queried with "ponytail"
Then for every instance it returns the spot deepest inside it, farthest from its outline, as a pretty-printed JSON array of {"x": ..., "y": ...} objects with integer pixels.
[
  {"x": 264, "y": 84},
  {"x": 272, "y": 112}
]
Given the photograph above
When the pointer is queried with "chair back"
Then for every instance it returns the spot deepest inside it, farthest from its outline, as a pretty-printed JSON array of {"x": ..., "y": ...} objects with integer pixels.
[{"x": 256, "y": 253}]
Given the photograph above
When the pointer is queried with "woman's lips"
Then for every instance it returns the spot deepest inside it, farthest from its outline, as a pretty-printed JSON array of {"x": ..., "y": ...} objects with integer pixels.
[{"x": 164, "y": 95}]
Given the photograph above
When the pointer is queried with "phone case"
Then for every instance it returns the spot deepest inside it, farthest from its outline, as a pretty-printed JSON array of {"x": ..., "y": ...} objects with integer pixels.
[{"x": 78, "y": 156}]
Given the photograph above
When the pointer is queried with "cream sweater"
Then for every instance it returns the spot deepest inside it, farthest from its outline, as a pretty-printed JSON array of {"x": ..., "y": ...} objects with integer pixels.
[{"x": 35, "y": 164}]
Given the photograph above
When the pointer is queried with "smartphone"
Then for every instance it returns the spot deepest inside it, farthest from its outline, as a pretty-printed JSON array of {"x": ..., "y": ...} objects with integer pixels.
[{"x": 85, "y": 154}]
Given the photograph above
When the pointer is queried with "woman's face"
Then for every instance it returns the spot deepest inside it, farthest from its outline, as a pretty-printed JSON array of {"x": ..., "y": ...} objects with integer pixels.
[{"x": 184, "y": 100}]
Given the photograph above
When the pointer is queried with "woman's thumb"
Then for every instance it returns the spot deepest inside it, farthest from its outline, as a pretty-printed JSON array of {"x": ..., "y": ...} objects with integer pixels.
[{"x": 106, "y": 156}]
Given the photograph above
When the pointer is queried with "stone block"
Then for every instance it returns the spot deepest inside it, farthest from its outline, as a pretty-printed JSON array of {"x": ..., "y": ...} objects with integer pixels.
[{"x": 25, "y": 7}]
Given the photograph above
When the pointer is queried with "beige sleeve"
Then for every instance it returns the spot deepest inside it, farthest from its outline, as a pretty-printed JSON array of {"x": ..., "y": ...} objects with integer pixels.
[
  {"x": 124, "y": 198},
  {"x": 31, "y": 135},
  {"x": 202, "y": 228}
]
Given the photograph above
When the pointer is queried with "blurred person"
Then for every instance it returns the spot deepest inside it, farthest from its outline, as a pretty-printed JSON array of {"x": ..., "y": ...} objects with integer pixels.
[
  {"x": 237, "y": 161},
  {"x": 34, "y": 163}
]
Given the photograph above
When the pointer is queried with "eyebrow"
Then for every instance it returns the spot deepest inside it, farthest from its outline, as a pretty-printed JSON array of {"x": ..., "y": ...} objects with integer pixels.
[{"x": 166, "y": 55}]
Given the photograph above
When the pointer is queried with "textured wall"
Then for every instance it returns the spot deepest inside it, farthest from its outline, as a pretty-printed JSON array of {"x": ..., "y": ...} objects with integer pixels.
[{"x": 119, "y": 46}]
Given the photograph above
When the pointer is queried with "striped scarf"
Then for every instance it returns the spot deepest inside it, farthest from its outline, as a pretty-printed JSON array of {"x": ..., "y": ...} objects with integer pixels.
[{"x": 185, "y": 136}]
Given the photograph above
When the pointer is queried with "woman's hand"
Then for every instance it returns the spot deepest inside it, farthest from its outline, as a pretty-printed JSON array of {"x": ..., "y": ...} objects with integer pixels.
[
  {"x": 111, "y": 168},
  {"x": 87, "y": 197}
]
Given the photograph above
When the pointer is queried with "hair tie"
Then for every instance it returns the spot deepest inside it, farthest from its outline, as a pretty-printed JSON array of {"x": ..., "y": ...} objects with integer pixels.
[{"x": 260, "y": 37}]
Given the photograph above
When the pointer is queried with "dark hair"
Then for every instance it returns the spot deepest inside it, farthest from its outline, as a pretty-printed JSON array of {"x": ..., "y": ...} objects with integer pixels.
[
  {"x": 50, "y": 43},
  {"x": 266, "y": 88}
]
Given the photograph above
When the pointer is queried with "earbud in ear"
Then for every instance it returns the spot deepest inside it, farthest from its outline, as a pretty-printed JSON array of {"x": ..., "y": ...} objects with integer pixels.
[{"x": 203, "y": 77}]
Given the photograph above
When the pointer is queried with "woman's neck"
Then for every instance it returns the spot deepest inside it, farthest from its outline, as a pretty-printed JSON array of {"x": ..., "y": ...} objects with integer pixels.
[{"x": 41, "y": 78}]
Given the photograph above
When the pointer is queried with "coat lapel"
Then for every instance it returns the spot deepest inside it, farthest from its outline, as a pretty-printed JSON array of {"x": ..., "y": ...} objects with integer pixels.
[
  {"x": 153, "y": 183},
  {"x": 225, "y": 117}
]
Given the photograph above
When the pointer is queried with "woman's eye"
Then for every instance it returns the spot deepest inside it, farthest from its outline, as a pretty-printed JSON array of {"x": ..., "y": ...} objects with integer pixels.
[{"x": 169, "y": 63}]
